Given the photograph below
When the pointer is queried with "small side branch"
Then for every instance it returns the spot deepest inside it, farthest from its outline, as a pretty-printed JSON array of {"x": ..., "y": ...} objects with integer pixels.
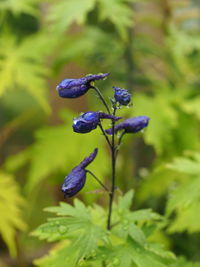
[
  {"x": 105, "y": 135},
  {"x": 102, "y": 98},
  {"x": 119, "y": 142},
  {"x": 99, "y": 181}
]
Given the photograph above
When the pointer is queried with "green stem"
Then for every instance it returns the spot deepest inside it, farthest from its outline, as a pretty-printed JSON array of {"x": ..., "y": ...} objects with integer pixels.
[
  {"x": 113, "y": 154},
  {"x": 102, "y": 98},
  {"x": 119, "y": 142},
  {"x": 105, "y": 135},
  {"x": 99, "y": 181}
]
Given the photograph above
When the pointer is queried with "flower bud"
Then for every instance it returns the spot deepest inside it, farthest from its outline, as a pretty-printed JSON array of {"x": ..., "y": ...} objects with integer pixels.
[
  {"x": 73, "y": 88},
  {"x": 122, "y": 96},
  {"x": 75, "y": 180},
  {"x": 132, "y": 125},
  {"x": 90, "y": 120}
]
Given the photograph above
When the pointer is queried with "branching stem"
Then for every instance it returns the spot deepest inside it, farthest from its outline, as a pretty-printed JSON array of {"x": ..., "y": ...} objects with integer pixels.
[
  {"x": 113, "y": 154},
  {"x": 98, "y": 180},
  {"x": 105, "y": 135},
  {"x": 102, "y": 98}
]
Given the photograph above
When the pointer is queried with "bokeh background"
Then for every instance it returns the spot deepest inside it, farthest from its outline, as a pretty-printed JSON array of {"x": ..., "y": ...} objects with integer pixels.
[{"x": 151, "y": 48}]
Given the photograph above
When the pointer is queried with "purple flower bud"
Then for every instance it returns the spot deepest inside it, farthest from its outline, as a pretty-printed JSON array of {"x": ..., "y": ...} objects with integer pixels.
[
  {"x": 75, "y": 180},
  {"x": 90, "y": 120},
  {"x": 122, "y": 96},
  {"x": 72, "y": 88},
  {"x": 132, "y": 125}
]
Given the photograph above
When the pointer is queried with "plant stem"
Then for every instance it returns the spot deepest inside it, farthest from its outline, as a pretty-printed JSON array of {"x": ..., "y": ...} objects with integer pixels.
[
  {"x": 105, "y": 135},
  {"x": 113, "y": 154},
  {"x": 102, "y": 98},
  {"x": 99, "y": 181},
  {"x": 119, "y": 142}
]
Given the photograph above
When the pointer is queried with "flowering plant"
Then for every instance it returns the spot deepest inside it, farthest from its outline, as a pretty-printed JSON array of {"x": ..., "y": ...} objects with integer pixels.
[{"x": 94, "y": 236}]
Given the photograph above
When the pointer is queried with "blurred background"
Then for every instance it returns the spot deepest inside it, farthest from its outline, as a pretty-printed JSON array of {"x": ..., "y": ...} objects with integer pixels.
[{"x": 151, "y": 48}]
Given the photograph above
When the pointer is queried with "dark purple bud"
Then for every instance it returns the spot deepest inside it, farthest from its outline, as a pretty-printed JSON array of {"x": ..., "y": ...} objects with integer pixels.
[
  {"x": 103, "y": 115},
  {"x": 72, "y": 88},
  {"x": 122, "y": 96},
  {"x": 89, "y": 121},
  {"x": 89, "y": 159},
  {"x": 75, "y": 180},
  {"x": 132, "y": 125}
]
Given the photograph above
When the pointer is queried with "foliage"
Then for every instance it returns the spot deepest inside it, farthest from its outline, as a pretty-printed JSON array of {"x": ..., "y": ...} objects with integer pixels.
[
  {"x": 10, "y": 209},
  {"x": 20, "y": 69},
  {"x": 86, "y": 240},
  {"x": 158, "y": 59},
  {"x": 185, "y": 198}
]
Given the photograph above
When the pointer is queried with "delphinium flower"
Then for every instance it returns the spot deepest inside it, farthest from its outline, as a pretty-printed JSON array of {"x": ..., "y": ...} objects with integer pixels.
[
  {"x": 73, "y": 88},
  {"x": 90, "y": 120},
  {"x": 132, "y": 125},
  {"x": 122, "y": 96},
  {"x": 75, "y": 180}
]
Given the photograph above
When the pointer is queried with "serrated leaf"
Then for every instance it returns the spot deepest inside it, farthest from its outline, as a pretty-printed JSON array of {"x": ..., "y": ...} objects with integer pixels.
[
  {"x": 192, "y": 106},
  {"x": 20, "y": 6},
  {"x": 83, "y": 233},
  {"x": 126, "y": 200},
  {"x": 181, "y": 262},
  {"x": 185, "y": 165},
  {"x": 63, "y": 13},
  {"x": 10, "y": 209},
  {"x": 131, "y": 254},
  {"x": 118, "y": 12},
  {"x": 21, "y": 69},
  {"x": 159, "y": 132},
  {"x": 157, "y": 182},
  {"x": 187, "y": 219},
  {"x": 184, "y": 195}
]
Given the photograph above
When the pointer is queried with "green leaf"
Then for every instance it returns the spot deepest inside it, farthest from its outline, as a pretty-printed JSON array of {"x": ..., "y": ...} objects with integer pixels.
[
  {"x": 21, "y": 69},
  {"x": 157, "y": 182},
  {"x": 192, "y": 107},
  {"x": 187, "y": 219},
  {"x": 63, "y": 13},
  {"x": 159, "y": 131},
  {"x": 125, "y": 221},
  {"x": 10, "y": 209},
  {"x": 77, "y": 226},
  {"x": 20, "y": 6},
  {"x": 186, "y": 165},
  {"x": 181, "y": 262},
  {"x": 118, "y": 12},
  {"x": 132, "y": 254},
  {"x": 125, "y": 201},
  {"x": 184, "y": 195}
]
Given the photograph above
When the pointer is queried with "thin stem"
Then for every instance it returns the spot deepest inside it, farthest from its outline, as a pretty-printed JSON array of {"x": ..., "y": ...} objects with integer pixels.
[
  {"x": 102, "y": 98},
  {"x": 113, "y": 172},
  {"x": 105, "y": 135},
  {"x": 119, "y": 142},
  {"x": 99, "y": 181}
]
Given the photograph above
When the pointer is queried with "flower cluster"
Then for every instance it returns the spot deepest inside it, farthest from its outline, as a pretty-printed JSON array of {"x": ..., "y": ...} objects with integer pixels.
[{"x": 88, "y": 121}]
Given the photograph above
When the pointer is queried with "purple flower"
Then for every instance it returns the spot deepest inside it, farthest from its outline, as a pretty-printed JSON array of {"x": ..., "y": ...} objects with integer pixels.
[
  {"x": 90, "y": 120},
  {"x": 75, "y": 180},
  {"x": 72, "y": 88},
  {"x": 122, "y": 96},
  {"x": 132, "y": 125}
]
